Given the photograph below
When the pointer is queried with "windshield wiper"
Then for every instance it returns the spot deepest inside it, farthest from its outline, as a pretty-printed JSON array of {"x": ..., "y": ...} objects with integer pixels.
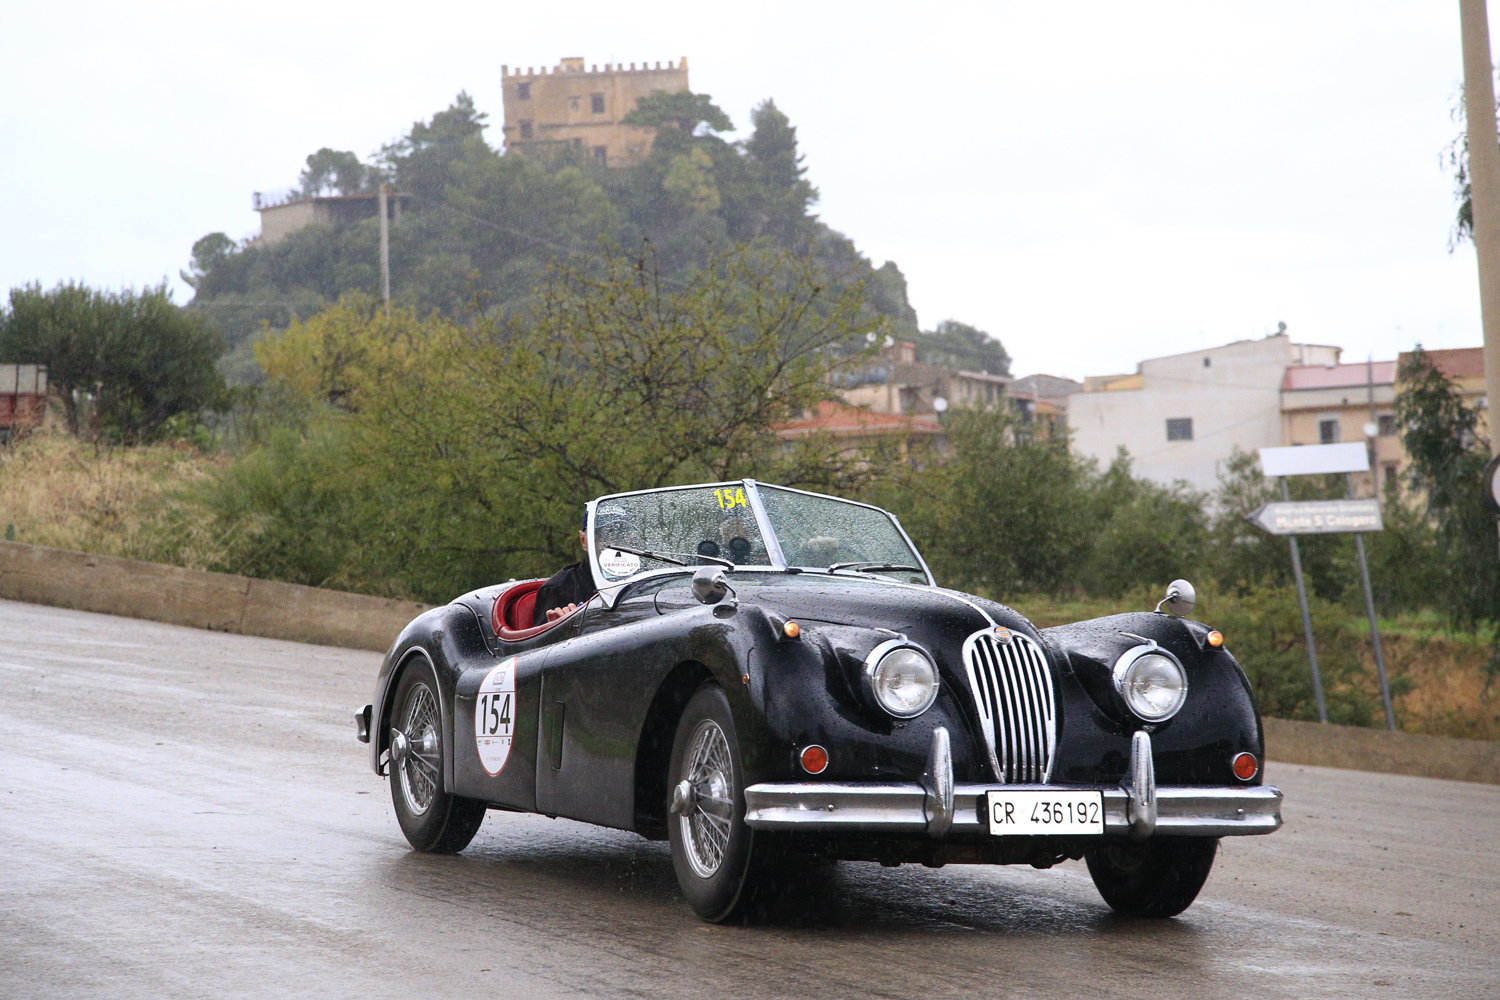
[
  {"x": 873, "y": 567},
  {"x": 665, "y": 558}
]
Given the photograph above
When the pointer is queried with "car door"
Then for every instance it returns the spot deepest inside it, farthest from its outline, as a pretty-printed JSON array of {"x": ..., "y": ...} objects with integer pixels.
[
  {"x": 496, "y": 722},
  {"x": 596, "y": 689}
]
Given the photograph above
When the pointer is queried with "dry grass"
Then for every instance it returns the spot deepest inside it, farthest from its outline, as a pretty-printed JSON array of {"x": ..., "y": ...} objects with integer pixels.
[{"x": 64, "y": 493}]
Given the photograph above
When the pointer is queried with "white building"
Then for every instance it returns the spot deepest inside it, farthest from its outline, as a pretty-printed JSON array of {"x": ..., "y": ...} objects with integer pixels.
[{"x": 1179, "y": 417}]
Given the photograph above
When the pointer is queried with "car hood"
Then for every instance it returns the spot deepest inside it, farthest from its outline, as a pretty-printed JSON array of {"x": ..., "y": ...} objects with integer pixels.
[{"x": 929, "y": 613}]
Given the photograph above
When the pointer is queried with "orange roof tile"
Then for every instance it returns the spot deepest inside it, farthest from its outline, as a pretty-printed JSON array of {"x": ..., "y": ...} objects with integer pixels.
[{"x": 843, "y": 420}]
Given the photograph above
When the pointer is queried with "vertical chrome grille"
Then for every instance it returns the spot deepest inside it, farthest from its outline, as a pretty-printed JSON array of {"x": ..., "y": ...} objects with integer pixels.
[{"x": 1012, "y": 685}]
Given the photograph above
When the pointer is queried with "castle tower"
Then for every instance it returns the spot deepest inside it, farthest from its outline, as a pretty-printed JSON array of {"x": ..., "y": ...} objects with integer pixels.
[{"x": 571, "y": 104}]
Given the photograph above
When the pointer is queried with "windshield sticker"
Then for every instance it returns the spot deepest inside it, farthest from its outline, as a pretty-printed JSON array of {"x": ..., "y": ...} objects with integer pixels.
[
  {"x": 731, "y": 497},
  {"x": 616, "y": 563},
  {"x": 494, "y": 716}
]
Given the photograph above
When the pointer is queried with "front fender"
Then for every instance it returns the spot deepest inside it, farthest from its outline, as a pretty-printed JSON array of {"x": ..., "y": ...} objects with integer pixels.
[{"x": 1194, "y": 747}]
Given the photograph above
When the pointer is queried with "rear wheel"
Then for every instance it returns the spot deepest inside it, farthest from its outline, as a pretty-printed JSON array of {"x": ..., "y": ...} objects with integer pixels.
[
  {"x": 717, "y": 860},
  {"x": 434, "y": 821},
  {"x": 1159, "y": 877}
]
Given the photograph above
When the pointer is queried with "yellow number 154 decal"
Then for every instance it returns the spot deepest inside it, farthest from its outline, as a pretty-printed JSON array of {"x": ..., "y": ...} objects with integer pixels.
[{"x": 731, "y": 497}]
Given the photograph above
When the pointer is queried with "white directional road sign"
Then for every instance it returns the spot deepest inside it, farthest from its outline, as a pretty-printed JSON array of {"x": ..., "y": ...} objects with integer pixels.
[{"x": 1318, "y": 517}]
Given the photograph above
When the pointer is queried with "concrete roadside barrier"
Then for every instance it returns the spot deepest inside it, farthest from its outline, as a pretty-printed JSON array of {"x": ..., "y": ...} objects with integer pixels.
[
  {"x": 228, "y": 603},
  {"x": 1360, "y": 749},
  {"x": 223, "y": 602}
]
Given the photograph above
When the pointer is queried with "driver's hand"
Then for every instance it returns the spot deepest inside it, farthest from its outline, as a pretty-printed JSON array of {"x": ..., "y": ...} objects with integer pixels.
[{"x": 553, "y": 614}]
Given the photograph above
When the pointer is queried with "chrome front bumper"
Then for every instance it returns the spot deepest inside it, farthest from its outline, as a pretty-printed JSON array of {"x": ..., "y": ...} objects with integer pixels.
[
  {"x": 871, "y": 808},
  {"x": 1137, "y": 807}
]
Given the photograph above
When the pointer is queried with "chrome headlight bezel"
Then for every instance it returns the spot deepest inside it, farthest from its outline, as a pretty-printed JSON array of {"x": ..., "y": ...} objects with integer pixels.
[
  {"x": 872, "y": 682},
  {"x": 1131, "y": 660}
]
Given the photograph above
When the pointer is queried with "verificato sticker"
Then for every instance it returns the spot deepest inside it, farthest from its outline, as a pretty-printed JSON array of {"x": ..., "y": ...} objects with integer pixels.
[
  {"x": 616, "y": 563},
  {"x": 495, "y": 716}
]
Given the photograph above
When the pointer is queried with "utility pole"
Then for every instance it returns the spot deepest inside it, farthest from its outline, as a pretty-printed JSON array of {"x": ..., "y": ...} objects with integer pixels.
[
  {"x": 1484, "y": 181},
  {"x": 385, "y": 251}
]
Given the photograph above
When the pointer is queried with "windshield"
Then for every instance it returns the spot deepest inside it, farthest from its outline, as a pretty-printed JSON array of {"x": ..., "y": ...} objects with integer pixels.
[
  {"x": 818, "y": 532},
  {"x": 684, "y": 525},
  {"x": 637, "y": 533}
]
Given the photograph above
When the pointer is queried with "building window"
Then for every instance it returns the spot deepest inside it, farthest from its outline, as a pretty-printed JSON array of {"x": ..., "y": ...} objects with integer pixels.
[
  {"x": 1208, "y": 362},
  {"x": 601, "y": 156},
  {"x": 1392, "y": 484},
  {"x": 523, "y": 91},
  {"x": 1387, "y": 425},
  {"x": 1179, "y": 428},
  {"x": 526, "y": 129},
  {"x": 1328, "y": 431},
  {"x": 598, "y": 104}
]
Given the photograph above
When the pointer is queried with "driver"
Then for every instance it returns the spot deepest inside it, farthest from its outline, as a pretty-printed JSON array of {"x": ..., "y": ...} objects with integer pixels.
[{"x": 572, "y": 585}]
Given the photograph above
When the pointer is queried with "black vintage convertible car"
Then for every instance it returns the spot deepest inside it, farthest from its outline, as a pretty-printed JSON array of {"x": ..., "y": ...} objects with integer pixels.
[{"x": 767, "y": 673}]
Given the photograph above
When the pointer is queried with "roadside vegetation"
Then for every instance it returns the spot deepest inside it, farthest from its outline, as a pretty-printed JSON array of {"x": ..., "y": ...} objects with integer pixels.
[{"x": 673, "y": 315}]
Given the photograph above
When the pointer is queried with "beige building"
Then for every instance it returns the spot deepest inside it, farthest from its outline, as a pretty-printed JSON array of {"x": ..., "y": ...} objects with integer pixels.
[
  {"x": 897, "y": 383},
  {"x": 1329, "y": 404},
  {"x": 1180, "y": 417},
  {"x": 582, "y": 106},
  {"x": 283, "y": 213}
]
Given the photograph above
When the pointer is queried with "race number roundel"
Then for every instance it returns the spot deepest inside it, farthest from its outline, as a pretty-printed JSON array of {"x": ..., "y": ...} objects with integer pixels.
[{"x": 495, "y": 716}]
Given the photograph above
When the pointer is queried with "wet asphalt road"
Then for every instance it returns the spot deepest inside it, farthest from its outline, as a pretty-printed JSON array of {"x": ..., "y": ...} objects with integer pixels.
[{"x": 187, "y": 814}]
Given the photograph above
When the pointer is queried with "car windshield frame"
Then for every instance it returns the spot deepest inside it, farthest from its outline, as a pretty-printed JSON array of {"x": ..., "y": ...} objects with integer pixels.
[{"x": 611, "y": 587}]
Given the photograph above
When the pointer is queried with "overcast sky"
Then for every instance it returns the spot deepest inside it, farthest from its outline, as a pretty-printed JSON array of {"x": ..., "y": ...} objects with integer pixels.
[{"x": 1092, "y": 183}]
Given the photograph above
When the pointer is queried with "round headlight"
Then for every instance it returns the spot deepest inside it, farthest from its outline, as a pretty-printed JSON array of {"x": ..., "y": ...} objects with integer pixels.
[
  {"x": 1152, "y": 682},
  {"x": 901, "y": 679}
]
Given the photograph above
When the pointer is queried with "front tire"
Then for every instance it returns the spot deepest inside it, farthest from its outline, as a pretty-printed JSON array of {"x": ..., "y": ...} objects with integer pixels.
[
  {"x": 433, "y": 821},
  {"x": 713, "y": 851},
  {"x": 1159, "y": 877}
]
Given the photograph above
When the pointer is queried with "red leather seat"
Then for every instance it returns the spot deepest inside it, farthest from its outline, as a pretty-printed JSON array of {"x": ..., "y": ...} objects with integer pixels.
[{"x": 513, "y": 611}]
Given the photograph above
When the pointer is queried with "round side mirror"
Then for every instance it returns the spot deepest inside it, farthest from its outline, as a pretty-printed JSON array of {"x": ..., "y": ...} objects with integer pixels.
[
  {"x": 709, "y": 584},
  {"x": 1180, "y": 598}
]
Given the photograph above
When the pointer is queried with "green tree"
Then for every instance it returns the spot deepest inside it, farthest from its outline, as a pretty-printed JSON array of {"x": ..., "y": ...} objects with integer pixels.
[
  {"x": 464, "y": 451},
  {"x": 786, "y": 194},
  {"x": 333, "y": 170},
  {"x": 959, "y": 345},
  {"x": 1448, "y": 458},
  {"x": 683, "y": 110},
  {"x": 121, "y": 363}
]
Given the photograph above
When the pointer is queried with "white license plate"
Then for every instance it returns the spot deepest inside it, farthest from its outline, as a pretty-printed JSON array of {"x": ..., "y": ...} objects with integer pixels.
[{"x": 1034, "y": 814}]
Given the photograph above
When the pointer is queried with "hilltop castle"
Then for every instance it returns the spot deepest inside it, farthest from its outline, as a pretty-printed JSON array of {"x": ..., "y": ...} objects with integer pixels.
[{"x": 571, "y": 104}]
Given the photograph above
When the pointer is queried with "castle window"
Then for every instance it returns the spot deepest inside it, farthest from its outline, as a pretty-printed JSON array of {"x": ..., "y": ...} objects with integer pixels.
[
  {"x": 1208, "y": 362},
  {"x": 598, "y": 104},
  {"x": 526, "y": 129},
  {"x": 523, "y": 91},
  {"x": 1179, "y": 428},
  {"x": 572, "y": 104},
  {"x": 601, "y": 156}
]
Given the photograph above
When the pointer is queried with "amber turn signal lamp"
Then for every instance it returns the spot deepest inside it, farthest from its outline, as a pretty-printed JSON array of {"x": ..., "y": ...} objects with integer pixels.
[
  {"x": 792, "y": 630},
  {"x": 1245, "y": 766},
  {"x": 1216, "y": 638},
  {"x": 815, "y": 759}
]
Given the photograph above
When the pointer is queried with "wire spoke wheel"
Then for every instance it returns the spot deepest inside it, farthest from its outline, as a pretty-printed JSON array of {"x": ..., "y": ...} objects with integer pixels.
[
  {"x": 706, "y": 824},
  {"x": 417, "y": 770}
]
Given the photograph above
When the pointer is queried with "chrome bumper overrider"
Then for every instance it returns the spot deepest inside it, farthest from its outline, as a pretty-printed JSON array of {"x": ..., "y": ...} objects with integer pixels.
[{"x": 939, "y": 808}]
